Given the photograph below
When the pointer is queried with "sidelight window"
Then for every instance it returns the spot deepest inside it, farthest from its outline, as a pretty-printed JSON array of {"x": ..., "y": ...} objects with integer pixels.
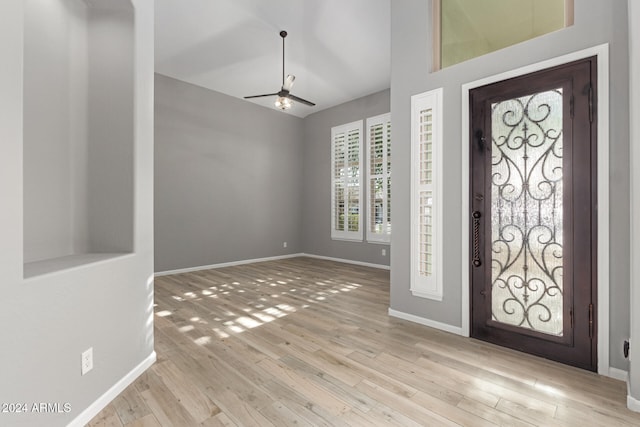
[{"x": 426, "y": 194}]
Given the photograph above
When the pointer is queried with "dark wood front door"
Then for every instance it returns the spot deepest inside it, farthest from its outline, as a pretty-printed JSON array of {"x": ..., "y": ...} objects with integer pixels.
[{"x": 533, "y": 220}]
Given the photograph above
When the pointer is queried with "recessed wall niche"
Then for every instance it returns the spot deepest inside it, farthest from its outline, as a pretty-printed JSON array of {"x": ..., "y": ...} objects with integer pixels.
[{"x": 78, "y": 132}]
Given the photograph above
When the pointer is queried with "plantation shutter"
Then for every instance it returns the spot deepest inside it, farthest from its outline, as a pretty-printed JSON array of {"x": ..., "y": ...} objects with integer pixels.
[
  {"x": 379, "y": 179},
  {"x": 426, "y": 195},
  {"x": 346, "y": 186}
]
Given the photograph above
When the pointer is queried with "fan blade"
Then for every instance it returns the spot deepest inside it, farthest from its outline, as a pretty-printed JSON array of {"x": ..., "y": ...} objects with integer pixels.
[
  {"x": 304, "y": 101},
  {"x": 261, "y": 96},
  {"x": 288, "y": 83}
]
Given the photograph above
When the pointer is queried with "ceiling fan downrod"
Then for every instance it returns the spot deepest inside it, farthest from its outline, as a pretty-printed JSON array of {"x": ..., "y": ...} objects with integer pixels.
[{"x": 283, "y": 34}]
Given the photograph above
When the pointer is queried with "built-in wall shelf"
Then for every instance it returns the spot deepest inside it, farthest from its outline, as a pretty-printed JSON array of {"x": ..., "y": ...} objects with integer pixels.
[
  {"x": 78, "y": 151},
  {"x": 54, "y": 265}
]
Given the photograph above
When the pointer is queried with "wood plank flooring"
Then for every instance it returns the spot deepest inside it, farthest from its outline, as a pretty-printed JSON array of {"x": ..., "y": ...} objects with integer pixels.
[{"x": 308, "y": 342}]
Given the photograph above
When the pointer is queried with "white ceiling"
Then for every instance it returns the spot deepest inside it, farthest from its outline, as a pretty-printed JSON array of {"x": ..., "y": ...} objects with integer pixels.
[{"x": 338, "y": 50}]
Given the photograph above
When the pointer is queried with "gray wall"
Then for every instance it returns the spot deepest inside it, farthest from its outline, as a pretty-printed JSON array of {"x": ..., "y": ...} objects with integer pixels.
[
  {"x": 47, "y": 321},
  {"x": 55, "y": 74},
  {"x": 596, "y": 22},
  {"x": 233, "y": 180},
  {"x": 110, "y": 134},
  {"x": 316, "y": 197},
  {"x": 78, "y": 130},
  {"x": 227, "y": 178}
]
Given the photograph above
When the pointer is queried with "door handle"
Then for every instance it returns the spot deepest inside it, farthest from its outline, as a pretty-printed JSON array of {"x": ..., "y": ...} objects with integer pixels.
[{"x": 476, "y": 238}]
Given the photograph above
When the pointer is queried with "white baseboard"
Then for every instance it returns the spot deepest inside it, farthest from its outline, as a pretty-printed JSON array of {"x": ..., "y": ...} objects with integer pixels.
[
  {"x": 617, "y": 374},
  {"x": 633, "y": 404},
  {"x": 273, "y": 258},
  {"x": 225, "y": 264},
  {"x": 427, "y": 322},
  {"x": 348, "y": 261},
  {"x": 97, "y": 406}
]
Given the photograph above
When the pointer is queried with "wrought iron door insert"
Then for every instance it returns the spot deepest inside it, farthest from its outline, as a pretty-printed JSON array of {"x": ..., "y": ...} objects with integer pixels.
[{"x": 527, "y": 215}]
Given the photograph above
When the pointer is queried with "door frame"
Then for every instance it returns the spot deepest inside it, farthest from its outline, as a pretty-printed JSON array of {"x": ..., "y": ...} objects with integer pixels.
[
  {"x": 633, "y": 393},
  {"x": 601, "y": 52}
]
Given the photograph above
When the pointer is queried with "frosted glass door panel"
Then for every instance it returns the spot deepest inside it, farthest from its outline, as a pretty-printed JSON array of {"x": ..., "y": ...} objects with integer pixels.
[{"x": 527, "y": 212}]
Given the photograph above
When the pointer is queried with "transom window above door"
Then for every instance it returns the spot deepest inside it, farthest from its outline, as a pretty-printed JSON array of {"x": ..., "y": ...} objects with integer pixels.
[{"x": 465, "y": 29}]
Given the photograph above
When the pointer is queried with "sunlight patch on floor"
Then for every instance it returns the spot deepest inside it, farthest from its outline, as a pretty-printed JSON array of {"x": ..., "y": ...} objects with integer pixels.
[
  {"x": 220, "y": 333},
  {"x": 233, "y": 327},
  {"x": 202, "y": 340},
  {"x": 261, "y": 310},
  {"x": 549, "y": 389},
  {"x": 248, "y": 322},
  {"x": 265, "y": 318}
]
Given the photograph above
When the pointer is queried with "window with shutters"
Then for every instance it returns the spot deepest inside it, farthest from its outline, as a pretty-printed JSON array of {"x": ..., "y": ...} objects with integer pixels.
[
  {"x": 379, "y": 178},
  {"x": 346, "y": 185},
  {"x": 426, "y": 194}
]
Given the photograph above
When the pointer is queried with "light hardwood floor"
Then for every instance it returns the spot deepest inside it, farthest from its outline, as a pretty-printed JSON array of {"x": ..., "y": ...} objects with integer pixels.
[{"x": 308, "y": 342}]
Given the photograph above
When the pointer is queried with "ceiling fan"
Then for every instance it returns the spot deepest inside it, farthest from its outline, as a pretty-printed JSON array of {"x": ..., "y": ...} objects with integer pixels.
[{"x": 285, "y": 97}]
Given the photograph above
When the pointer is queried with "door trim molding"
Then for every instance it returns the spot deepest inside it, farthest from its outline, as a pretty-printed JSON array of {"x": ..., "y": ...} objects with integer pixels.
[
  {"x": 633, "y": 400},
  {"x": 602, "y": 54}
]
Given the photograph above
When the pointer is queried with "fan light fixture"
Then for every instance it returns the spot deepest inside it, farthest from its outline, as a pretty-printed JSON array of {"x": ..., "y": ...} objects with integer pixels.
[
  {"x": 283, "y": 103},
  {"x": 285, "y": 98}
]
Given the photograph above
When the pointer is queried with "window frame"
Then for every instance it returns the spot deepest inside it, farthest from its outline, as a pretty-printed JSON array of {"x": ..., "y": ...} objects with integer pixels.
[
  {"x": 421, "y": 285},
  {"x": 346, "y": 234},
  {"x": 385, "y": 235}
]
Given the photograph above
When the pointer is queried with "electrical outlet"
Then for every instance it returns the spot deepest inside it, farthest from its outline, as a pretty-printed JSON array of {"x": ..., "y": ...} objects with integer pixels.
[
  {"x": 87, "y": 360},
  {"x": 284, "y": 244},
  {"x": 384, "y": 252}
]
